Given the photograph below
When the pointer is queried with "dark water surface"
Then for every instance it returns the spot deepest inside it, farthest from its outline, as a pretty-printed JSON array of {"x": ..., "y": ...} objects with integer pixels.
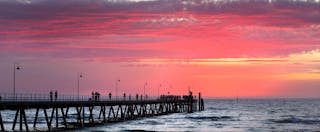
[
  {"x": 230, "y": 115},
  {"x": 219, "y": 115}
]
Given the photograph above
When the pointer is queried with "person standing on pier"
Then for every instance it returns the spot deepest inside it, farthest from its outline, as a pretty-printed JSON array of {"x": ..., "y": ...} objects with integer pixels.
[
  {"x": 95, "y": 96},
  {"x": 56, "y": 95},
  {"x": 124, "y": 96},
  {"x": 137, "y": 97},
  {"x": 110, "y": 95},
  {"x": 51, "y": 95},
  {"x": 92, "y": 95}
]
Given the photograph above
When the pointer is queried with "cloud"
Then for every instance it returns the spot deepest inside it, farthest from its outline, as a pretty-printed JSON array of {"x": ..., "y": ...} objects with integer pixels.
[{"x": 158, "y": 28}]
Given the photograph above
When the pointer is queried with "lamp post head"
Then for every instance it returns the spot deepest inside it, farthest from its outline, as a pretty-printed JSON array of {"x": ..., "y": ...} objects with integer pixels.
[{"x": 18, "y": 68}]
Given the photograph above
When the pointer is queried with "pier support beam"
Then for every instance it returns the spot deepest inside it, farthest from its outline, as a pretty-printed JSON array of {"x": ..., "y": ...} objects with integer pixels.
[
  {"x": 199, "y": 101},
  {"x": 21, "y": 113},
  {"x": 91, "y": 120},
  {"x": 64, "y": 116},
  {"x": 1, "y": 123},
  {"x": 109, "y": 115},
  {"x": 103, "y": 113},
  {"x": 80, "y": 120},
  {"x": 36, "y": 118},
  {"x": 54, "y": 113}
]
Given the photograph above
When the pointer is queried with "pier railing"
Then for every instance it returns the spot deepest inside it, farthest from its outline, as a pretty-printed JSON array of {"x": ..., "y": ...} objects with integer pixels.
[{"x": 20, "y": 97}]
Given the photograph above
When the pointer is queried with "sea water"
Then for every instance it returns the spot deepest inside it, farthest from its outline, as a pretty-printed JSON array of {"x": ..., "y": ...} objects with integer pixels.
[{"x": 219, "y": 115}]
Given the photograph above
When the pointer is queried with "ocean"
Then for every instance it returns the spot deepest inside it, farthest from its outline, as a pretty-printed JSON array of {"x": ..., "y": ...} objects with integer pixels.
[{"x": 221, "y": 115}]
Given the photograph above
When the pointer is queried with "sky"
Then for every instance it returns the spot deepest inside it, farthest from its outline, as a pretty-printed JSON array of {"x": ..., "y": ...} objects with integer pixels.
[{"x": 222, "y": 48}]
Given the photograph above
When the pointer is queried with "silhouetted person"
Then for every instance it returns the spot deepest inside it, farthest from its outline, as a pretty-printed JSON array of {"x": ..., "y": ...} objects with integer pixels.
[
  {"x": 51, "y": 95},
  {"x": 129, "y": 96},
  {"x": 141, "y": 97},
  {"x": 110, "y": 96},
  {"x": 124, "y": 96},
  {"x": 55, "y": 95},
  {"x": 98, "y": 95},
  {"x": 146, "y": 96},
  {"x": 137, "y": 97},
  {"x": 92, "y": 95}
]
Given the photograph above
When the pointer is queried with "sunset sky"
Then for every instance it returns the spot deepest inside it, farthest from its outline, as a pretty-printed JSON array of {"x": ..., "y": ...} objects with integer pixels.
[{"x": 222, "y": 48}]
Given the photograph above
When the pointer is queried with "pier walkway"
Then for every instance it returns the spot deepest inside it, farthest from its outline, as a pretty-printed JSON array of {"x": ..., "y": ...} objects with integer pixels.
[{"x": 89, "y": 111}]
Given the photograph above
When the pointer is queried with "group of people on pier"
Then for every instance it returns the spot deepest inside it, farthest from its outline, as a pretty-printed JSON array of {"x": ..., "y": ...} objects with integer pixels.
[
  {"x": 95, "y": 96},
  {"x": 55, "y": 95}
]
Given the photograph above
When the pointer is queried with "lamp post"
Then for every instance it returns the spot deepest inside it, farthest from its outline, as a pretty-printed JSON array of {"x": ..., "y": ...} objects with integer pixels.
[
  {"x": 15, "y": 67},
  {"x": 144, "y": 90},
  {"x": 117, "y": 85},
  {"x": 159, "y": 90},
  {"x": 79, "y": 75}
]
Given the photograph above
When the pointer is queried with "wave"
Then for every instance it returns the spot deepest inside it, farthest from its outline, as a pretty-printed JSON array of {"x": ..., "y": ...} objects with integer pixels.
[
  {"x": 296, "y": 120},
  {"x": 215, "y": 108},
  {"x": 137, "y": 130},
  {"x": 152, "y": 122},
  {"x": 212, "y": 118}
]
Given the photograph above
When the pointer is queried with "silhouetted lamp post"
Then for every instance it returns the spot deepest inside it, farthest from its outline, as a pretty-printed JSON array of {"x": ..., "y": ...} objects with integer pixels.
[
  {"x": 78, "y": 77},
  {"x": 159, "y": 90},
  {"x": 117, "y": 88},
  {"x": 15, "y": 67},
  {"x": 144, "y": 89}
]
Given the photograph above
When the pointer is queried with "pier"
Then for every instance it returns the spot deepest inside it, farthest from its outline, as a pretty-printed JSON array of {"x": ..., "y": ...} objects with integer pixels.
[{"x": 57, "y": 115}]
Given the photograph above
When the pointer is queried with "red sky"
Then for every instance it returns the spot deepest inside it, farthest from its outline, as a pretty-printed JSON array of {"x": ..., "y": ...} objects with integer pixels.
[{"x": 265, "y": 48}]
